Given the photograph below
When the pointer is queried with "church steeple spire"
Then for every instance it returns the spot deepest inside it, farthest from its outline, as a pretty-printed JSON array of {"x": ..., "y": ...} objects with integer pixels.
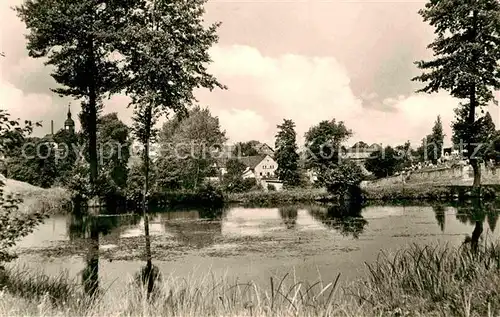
[{"x": 69, "y": 124}]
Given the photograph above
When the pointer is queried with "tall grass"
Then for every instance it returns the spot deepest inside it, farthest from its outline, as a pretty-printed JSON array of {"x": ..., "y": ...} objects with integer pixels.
[
  {"x": 435, "y": 280},
  {"x": 418, "y": 281}
]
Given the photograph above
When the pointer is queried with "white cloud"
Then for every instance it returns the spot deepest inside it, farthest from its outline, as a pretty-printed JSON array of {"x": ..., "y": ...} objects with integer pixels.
[
  {"x": 242, "y": 124},
  {"x": 308, "y": 90},
  {"x": 263, "y": 90}
]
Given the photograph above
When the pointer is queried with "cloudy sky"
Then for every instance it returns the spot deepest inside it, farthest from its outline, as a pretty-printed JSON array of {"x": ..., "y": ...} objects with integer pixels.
[{"x": 306, "y": 60}]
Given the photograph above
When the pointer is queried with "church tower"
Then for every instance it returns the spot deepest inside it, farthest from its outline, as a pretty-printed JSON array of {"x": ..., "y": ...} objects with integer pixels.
[{"x": 69, "y": 124}]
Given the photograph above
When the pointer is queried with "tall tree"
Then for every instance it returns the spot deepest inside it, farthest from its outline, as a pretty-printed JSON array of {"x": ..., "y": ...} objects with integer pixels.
[
  {"x": 80, "y": 40},
  {"x": 467, "y": 50},
  {"x": 67, "y": 143},
  {"x": 114, "y": 153},
  {"x": 435, "y": 141},
  {"x": 384, "y": 163},
  {"x": 233, "y": 179},
  {"x": 405, "y": 155},
  {"x": 246, "y": 148},
  {"x": 167, "y": 60},
  {"x": 286, "y": 154},
  {"x": 189, "y": 146},
  {"x": 323, "y": 144}
]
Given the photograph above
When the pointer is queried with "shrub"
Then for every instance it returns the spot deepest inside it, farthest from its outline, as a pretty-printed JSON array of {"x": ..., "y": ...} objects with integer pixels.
[
  {"x": 14, "y": 224},
  {"x": 271, "y": 187},
  {"x": 239, "y": 185},
  {"x": 210, "y": 193}
]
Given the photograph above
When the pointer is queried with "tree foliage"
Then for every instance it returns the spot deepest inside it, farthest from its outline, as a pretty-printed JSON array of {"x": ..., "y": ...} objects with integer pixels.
[
  {"x": 114, "y": 153},
  {"x": 286, "y": 154},
  {"x": 14, "y": 224},
  {"x": 166, "y": 59},
  {"x": 80, "y": 40},
  {"x": 431, "y": 148},
  {"x": 323, "y": 143},
  {"x": 246, "y": 148},
  {"x": 68, "y": 154},
  {"x": 233, "y": 180},
  {"x": 189, "y": 148},
  {"x": 481, "y": 133},
  {"x": 384, "y": 163},
  {"x": 347, "y": 174}
]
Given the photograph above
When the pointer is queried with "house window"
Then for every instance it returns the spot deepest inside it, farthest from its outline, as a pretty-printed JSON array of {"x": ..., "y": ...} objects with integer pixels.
[{"x": 260, "y": 173}]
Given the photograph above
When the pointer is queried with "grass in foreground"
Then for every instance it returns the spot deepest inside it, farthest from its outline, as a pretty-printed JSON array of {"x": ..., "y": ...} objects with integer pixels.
[{"x": 418, "y": 281}]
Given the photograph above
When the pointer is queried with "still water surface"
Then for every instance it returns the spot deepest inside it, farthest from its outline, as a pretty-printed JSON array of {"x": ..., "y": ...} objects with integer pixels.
[{"x": 249, "y": 243}]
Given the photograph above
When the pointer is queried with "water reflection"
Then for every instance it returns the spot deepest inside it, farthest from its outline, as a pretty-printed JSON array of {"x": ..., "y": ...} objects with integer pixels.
[
  {"x": 196, "y": 228},
  {"x": 252, "y": 241},
  {"x": 81, "y": 226},
  {"x": 475, "y": 213},
  {"x": 345, "y": 218},
  {"x": 87, "y": 226},
  {"x": 440, "y": 213},
  {"x": 289, "y": 215}
]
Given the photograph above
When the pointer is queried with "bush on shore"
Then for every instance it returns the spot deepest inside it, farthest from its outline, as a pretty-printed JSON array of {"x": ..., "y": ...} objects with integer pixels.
[
  {"x": 418, "y": 281},
  {"x": 263, "y": 198},
  {"x": 207, "y": 194}
]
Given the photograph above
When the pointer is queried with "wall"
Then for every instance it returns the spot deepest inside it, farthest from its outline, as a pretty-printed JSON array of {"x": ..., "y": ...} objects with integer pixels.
[
  {"x": 277, "y": 184},
  {"x": 264, "y": 167},
  {"x": 455, "y": 173},
  {"x": 459, "y": 175}
]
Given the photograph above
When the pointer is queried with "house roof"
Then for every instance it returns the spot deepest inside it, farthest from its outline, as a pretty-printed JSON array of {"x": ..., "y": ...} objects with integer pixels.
[
  {"x": 252, "y": 161},
  {"x": 249, "y": 161},
  {"x": 261, "y": 146},
  {"x": 360, "y": 155}
]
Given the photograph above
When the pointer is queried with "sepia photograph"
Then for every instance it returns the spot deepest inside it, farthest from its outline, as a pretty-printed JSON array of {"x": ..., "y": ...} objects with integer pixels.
[{"x": 249, "y": 158}]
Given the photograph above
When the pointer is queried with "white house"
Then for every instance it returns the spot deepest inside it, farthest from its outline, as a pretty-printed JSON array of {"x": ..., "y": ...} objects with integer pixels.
[
  {"x": 258, "y": 166},
  {"x": 262, "y": 166}
]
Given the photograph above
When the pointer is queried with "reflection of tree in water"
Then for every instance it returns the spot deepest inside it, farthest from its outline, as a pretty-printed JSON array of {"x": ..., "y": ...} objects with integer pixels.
[
  {"x": 83, "y": 225},
  {"x": 198, "y": 228},
  {"x": 345, "y": 218},
  {"x": 289, "y": 216},
  {"x": 475, "y": 213},
  {"x": 439, "y": 211}
]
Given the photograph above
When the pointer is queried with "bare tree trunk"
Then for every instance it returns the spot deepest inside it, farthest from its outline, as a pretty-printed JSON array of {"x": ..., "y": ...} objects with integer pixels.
[
  {"x": 148, "y": 276},
  {"x": 90, "y": 277},
  {"x": 92, "y": 118},
  {"x": 476, "y": 234},
  {"x": 474, "y": 161}
]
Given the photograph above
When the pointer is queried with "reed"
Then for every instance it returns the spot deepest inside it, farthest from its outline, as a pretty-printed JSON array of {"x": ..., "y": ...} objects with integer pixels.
[{"x": 436, "y": 280}]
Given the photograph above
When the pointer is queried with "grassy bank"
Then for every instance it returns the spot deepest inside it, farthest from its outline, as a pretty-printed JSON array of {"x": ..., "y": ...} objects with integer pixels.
[
  {"x": 426, "y": 191},
  {"x": 50, "y": 200},
  {"x": 263, "y": 198},
  {"x": 419, "y": 281},
  {"x": 407, "y": 192}
]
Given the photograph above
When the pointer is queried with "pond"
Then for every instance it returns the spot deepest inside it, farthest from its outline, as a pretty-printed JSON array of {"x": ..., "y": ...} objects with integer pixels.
[{"x": 310, "y": 241}]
